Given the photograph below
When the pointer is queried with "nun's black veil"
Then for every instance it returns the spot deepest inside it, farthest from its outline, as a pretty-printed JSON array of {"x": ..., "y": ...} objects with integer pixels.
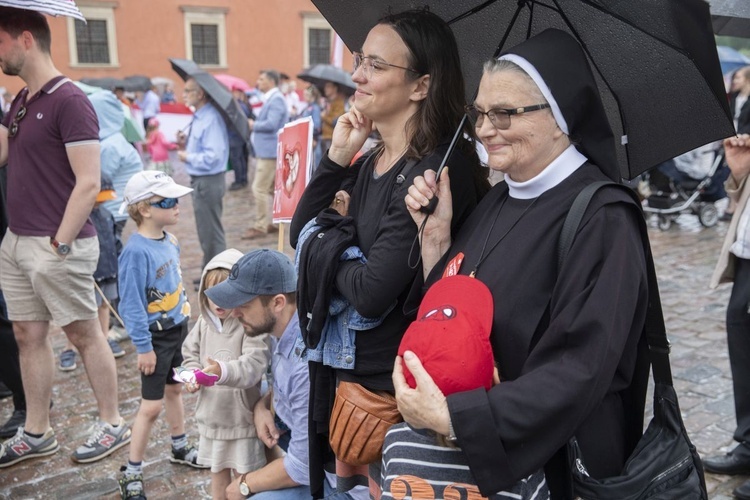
[{"x": 562, "y": 64}]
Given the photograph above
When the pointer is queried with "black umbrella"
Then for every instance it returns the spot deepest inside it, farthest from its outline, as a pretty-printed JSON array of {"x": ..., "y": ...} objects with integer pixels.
[
  {"x": 135, "y": 83},
  {"x": 105, "y": 82},
  {"x": 319, "y": 74},
  {"x": 731, "y": 17},
  {"x": 655, "y": 62},
  {"x": 218, "y": 93}
]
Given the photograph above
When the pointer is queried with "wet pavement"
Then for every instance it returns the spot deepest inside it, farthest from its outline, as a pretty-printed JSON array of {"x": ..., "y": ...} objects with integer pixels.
[{"x": 685, "y": 256}]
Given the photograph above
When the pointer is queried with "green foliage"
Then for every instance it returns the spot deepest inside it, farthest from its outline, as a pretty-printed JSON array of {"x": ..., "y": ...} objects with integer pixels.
[{"x": 741, "y": 44}]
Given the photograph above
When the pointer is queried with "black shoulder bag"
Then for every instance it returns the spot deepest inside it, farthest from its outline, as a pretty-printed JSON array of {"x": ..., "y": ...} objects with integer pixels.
[{"x": 664, "y": 464}]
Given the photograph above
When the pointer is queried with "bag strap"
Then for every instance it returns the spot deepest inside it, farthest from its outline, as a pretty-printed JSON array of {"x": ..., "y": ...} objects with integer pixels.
[{"x": 654, "y": 328}]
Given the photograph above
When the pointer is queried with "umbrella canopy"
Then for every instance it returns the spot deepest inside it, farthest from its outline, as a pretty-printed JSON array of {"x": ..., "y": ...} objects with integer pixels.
[
  {"x": 129, "y": 128},
  {"x": 731, "y": 59},
  {"x": 731, "y": 17},
  {"x": 135, "y": 83},
  {"x": 161, "y": 80},
  {"x": 52, "y": 7},
  {"x": 107, "y": 83},
  {"x": 319, "y": 74},
  {"x": 643, "y": 54},
  {"x": 218, "y": 93},
  {"x": 233, "y": 82}
]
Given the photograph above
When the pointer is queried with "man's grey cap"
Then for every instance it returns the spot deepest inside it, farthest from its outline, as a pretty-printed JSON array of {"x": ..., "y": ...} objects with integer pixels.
[{"x": 260, "y": 272}]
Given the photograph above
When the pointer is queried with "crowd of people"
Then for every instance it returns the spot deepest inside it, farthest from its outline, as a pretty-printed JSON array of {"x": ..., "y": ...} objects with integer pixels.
[{"x": 407, "y": 350}]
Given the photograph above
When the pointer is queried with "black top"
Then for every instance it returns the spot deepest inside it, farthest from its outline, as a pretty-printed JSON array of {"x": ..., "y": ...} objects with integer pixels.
[
  {"x": 385, "y": 233},
  {"x": 743, "y": 120},
  {"x": 578, "y": 375}
]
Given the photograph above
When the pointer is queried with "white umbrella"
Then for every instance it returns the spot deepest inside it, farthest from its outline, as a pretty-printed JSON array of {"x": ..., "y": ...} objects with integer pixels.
[
  {"x": 161, "y": 80},
  {"x": 52, "y": 7}
]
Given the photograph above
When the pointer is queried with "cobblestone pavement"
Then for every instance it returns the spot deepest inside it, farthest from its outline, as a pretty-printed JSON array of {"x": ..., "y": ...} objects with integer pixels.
[{"x": 685, "y": 256}]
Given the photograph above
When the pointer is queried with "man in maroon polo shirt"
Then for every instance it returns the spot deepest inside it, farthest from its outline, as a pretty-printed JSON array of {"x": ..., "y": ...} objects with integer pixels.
[{"x": 50, "y": 139}]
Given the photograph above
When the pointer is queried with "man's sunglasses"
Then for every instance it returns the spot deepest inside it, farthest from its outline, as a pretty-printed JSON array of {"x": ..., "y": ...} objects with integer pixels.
[
  {"x": 166, "y": 203},
  {"x": 13, "y": 130}
]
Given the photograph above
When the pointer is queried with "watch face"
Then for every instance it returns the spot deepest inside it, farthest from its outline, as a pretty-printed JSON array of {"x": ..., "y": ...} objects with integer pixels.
[
  {"x": 63, "y": 249},
  {"x": 244, "y": 489}
]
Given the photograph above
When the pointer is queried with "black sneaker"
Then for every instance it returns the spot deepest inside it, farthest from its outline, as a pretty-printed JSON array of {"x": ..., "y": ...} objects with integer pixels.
[
  {"x": 187, "y": 456},
  {"x": 20, "y": 448},
  {"x": 131, "y": 485},
  {"x": 5, "y": 392},
  {"x": 15, "y": 421},
  {"x": 102, "y": 442}
]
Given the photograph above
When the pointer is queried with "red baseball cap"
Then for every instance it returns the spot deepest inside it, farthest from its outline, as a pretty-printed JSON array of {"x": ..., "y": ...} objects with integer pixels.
[{"x": 451, "y": 336}]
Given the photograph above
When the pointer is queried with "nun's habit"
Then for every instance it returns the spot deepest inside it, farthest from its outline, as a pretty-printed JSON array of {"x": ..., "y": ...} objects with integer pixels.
[{"x": 568, "y": 344}]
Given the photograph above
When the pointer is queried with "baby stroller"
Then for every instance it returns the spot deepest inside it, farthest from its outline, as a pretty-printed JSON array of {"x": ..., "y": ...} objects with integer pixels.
[{"x": 672, "y": 196}]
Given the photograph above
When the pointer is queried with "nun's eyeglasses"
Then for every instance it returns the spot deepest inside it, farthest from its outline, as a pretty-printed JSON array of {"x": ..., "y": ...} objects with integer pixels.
[
  {"x": 370, "y": 65},
  {"x": 13, "y": 130},
  {"x": 499, "y": 117}
]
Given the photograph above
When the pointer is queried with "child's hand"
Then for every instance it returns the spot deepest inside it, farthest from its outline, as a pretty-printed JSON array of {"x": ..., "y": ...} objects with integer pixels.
[
  {"x": 191, "y": 388},
  {"x": 212, "y": 367},
  {"x": 147, "y": 362}
]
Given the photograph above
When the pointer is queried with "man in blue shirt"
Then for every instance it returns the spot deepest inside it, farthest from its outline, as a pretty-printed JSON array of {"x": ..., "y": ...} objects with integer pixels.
[
  {"x": 272, "y": 117},
  {"x": 261, "y": 290},
  {"x": 149, "y": 104},
  {"x": 205, "y": 156}
]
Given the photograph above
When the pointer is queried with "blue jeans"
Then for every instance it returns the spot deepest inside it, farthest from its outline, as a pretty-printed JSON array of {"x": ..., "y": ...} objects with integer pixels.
[{"x": 297, "y": 493}]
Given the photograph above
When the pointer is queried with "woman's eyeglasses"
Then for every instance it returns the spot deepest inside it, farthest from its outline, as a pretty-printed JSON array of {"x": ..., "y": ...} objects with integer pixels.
[
  {"x": 166, "y": 203},
  {"x": 499, "y": 117},
  {"x": 372, "y": 65},
  {"x": 13, "y": 130}
]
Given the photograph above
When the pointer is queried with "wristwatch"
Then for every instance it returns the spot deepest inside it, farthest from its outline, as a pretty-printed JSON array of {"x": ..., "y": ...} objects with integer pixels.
[
  {"x": 62, "y": 249},
  {"x": 451, "y": 437},
  {"x": 244, "y": 488}
]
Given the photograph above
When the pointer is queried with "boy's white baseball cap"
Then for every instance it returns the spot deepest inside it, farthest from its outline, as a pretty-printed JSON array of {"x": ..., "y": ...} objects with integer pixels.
[{"x": 148, "y": 183}]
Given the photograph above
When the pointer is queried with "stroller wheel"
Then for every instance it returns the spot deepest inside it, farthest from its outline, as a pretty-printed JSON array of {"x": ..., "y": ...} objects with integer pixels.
[
  {"x": 665, "y": 222},
  {"x": 708, "y": 215}
]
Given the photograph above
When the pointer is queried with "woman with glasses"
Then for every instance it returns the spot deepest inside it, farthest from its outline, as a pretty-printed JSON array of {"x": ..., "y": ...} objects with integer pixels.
[
  {"x": 567, "y": 339},
  {"x": 410, "y": 90}
]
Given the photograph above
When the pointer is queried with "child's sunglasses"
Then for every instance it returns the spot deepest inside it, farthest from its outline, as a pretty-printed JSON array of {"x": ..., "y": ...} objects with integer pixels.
[{"x": 166, "y": 203}]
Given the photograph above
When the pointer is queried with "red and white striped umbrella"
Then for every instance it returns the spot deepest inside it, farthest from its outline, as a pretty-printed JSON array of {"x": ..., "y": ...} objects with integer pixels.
[{"x": 52, "y": 7}]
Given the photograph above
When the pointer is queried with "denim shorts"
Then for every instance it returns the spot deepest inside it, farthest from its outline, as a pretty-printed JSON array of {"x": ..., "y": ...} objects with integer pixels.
[{"x": 109, "y": 289}]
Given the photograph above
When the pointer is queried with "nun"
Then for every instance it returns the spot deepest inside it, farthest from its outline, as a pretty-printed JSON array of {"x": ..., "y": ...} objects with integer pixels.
[{"x": 567, "y": 341}]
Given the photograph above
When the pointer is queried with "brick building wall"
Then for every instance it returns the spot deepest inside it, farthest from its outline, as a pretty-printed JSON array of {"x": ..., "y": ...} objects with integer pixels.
[{"x": 138, "y": 37}]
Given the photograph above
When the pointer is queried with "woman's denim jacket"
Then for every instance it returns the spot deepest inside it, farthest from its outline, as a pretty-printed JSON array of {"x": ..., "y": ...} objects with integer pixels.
[{"x": 336, "y": 347}]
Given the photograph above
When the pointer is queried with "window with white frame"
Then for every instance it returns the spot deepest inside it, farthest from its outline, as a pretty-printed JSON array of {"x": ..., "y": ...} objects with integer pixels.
[
  {"x": 205, "y": 36},
  {"x": 317, "y": 36},
  {"x": 93, "y": 43}
]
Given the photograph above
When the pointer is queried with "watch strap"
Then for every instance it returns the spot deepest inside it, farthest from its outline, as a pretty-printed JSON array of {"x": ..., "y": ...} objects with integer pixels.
[
  {"x": 243, "y": 483},
  {"x": 451, "y": 437}
]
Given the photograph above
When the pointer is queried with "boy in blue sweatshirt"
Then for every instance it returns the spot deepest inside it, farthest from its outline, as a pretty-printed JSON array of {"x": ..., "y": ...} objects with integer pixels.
[{"x": 154, "y": 307}]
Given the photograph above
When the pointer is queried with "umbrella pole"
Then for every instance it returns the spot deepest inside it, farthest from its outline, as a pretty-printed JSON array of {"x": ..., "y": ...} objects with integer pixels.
[
  {"x": 109, "y": 305},
  {"x": 459, "y": 132},
  {"x": 430, "y": 208}
]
